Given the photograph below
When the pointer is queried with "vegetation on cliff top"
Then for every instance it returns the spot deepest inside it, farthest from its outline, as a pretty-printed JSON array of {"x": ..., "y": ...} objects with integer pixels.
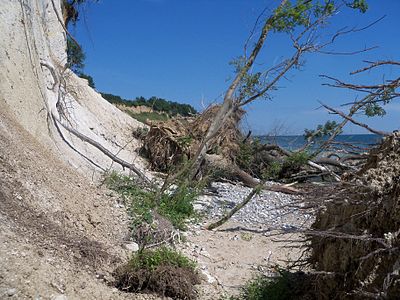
[{"x": 156, "y": 104}]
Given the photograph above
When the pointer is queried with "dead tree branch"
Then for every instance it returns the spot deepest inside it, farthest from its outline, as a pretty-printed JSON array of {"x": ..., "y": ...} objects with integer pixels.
[{"x": 343, "y": 115}]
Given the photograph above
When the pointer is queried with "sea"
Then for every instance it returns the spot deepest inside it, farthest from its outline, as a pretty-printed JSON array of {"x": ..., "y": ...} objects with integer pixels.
[{"x": 293, "y": 142}]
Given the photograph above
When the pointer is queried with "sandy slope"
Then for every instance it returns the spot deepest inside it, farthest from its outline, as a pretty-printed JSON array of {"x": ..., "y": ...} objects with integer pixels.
[{"x": 59, "y": 232}]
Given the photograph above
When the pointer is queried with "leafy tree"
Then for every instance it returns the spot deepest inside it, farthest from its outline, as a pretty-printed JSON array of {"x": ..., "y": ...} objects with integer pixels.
[
  {"x": 327, "y": 129},
  {"x": 75, "y": 56},
  {"x": 71, "y": 10},
  {"x": 303, "y": 21}
]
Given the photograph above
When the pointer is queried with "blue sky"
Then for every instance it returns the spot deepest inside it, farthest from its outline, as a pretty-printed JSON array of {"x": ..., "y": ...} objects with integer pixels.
[{"x": 180, "y": 50}]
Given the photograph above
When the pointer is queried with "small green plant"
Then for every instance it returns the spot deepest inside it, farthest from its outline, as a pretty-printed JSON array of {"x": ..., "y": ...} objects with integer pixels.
[
  {"x": 163, "y": 271},
  {"x": 88, "y": 78},
  {"x": 285, "y": 286},
  {"x": 273, "y": 170},
  {"x": 140, "y": 202},
  {"x": 75, "y": 56},
  {"x": 297, "y": 159},
  {"x": 293, "y": 163},
  {"x": 245, "y": 158},
  {"x": 245, "y": 236},
  {"x": 176, "y": 206},
  {"x": 163, "y": 256}
]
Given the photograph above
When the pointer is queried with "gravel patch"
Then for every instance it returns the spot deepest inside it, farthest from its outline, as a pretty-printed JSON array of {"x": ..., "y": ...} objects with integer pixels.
[{"x": 268, "y": 210}]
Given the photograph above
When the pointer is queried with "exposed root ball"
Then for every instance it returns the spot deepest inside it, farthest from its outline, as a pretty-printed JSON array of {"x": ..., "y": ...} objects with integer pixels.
[
  {"x": 172, "y": 142},
  {"x": 170, "y": 281},
  {"x": 358, "y": 234}
]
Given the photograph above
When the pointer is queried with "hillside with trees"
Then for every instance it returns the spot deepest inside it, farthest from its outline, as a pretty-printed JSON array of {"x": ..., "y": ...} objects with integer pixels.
[{"x": 156, "y": 104}]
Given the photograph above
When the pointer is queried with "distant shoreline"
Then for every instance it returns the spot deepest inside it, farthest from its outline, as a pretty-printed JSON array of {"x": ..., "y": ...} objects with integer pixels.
[{"x": 292, "y": 142}]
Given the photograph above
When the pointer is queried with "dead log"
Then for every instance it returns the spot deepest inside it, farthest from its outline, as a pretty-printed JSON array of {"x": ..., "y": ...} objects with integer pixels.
[{"x": 216, "y": 162}]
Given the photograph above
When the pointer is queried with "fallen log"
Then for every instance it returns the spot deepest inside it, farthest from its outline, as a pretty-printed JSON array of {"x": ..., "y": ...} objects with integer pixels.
[{"x": 233, "y": 171}]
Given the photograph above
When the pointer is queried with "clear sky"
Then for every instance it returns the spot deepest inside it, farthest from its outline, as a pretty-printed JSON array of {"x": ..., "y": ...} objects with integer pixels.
[{"x": 180, "y": 50}]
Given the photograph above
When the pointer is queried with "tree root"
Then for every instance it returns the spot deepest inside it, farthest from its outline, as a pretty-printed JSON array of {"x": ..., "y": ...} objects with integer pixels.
[{"x": 95, "y": 144}]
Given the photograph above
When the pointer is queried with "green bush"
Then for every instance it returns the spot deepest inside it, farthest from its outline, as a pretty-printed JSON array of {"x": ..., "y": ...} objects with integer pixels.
[
  {"x": 88, "y": 78},
  {"x": 273, "y": 170},
  {"x": 163, "y": 271},
  {"x": 245, "y": 156},
  {"x": 285, "y": 286},
  {"x": 177, "y": 206},
  {"x": 140, "y": 202},
  {"x": 163, "y": 256},
  {"x": 297, "y": 159},
  {"x": 151, "y": 116}
]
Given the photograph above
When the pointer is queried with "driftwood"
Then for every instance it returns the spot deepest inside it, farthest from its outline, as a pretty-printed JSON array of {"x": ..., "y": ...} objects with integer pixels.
[{"x": 216, "y": 162}]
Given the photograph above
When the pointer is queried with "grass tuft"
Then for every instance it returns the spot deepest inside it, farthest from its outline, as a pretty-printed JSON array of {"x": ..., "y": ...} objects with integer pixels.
[
  {"x": 163, "y": 271},
  {"x": 285, "y": 286}
]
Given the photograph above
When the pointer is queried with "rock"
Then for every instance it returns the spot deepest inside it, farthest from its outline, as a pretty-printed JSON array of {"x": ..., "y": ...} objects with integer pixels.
[
  {"x": 132, "y": 246},
  {"x": 208, "y": 277},
  {"x": 60, "y": 297},
  {"x": 11, "y": 292}
]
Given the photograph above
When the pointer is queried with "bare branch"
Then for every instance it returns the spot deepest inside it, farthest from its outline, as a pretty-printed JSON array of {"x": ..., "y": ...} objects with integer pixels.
[
  {"x": 348, "y": 118},
  {"x": 375, "y": 64}
]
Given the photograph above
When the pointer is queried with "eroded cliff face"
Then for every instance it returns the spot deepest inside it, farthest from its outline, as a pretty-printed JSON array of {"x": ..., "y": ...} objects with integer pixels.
[
  {"x": 60, "y": 234},
  {"x": 40, "y": 92},
  {"x": 358, "y": 234},
  {"x": 30, "y": 34}
]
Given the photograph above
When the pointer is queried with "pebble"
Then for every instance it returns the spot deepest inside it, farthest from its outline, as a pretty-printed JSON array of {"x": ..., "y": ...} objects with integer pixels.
[
  {"x": 11, "y": 292},
  {"x": 267, "y": 209},
  {"x": 132, "y": 246}
]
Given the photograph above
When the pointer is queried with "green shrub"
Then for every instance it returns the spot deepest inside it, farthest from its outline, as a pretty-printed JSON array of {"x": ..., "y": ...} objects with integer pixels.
[
  {"x": 176, "y": 206},
  {"x": 163, "y": 271},
  {"x": 273, "y": 170},
  {"x": 140, "y": 202},
  {"x": 285, "y": 286},
  {"x": 163, "y": 256},
  {"x": 293, "y": 164},
  {"x": 75, "y": 56},
  {"x": 88, "y": 78},
  {"x": 245, "y": 156},
  {"x": 297, "y": 159}
]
